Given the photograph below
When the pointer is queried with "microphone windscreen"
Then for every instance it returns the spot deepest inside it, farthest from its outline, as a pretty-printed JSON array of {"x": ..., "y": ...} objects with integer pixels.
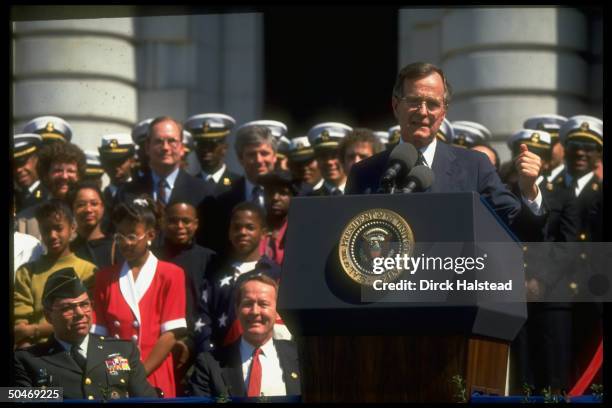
[
  {"x": 404, "y": 153},
  {"x": 423, "y": 176}
]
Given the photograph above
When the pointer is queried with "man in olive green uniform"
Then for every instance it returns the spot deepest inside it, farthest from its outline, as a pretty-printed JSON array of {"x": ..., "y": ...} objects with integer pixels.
[{"x": 85, "y": 365}]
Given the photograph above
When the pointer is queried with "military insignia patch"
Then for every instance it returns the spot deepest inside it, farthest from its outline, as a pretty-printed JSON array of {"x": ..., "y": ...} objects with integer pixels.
[
  {"x": 584, "y": 126},
  {"x": 325, "y": 135},
  {"x": 595, "y": 186},
  {"x": 549, "y": 186},
  {"x": 38, "y": 194},
  {"x": 205, "y": 127},
  {"x": 116, "y": 364},
  {"x": 227, "y": 181},
  {"x": 535, "y": 137},
  {"x": 49, "y": 128},
  {"x": 113, "y": 144}
]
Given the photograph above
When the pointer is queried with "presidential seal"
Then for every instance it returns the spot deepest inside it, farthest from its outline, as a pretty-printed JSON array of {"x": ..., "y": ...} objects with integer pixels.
[{"x": 372, "y": 234}]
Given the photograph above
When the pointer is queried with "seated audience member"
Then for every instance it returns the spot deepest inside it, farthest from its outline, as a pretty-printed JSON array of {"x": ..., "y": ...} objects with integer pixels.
[
  {"x": 179, "y": 225},
  {"x": 279, "y": 188},
  {"x": 142, "y": 299},
  {"x": 56, "y": 227},
  {"x": 84, "y": 365},
  {"x": 217, "y": 326},
  {"x": 255, "y": 364},
  {"x": 91, "y": 243},
  {"x": 60, "y": 166}
]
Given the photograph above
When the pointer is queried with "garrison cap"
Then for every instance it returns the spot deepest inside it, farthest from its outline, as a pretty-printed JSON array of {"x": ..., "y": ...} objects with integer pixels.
[{"x": 62, "y": 284}]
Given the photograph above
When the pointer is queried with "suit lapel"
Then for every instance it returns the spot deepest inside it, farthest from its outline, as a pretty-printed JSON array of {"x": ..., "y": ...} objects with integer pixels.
[
  {"x": 290, "y": 367},
  {"x": 58, "y": 356},
  {"x": 232, "y": 371},
  {"x": 443, "y": 162}
]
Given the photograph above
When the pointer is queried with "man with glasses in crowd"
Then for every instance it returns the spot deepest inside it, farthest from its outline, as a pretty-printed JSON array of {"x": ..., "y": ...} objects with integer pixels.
[{"x": 167, "y": 181}]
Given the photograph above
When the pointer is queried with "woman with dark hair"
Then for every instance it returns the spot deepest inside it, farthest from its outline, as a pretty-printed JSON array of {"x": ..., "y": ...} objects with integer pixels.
[
  {"x": 91, "y": 243},
  {"x": 142, "y": 299}
]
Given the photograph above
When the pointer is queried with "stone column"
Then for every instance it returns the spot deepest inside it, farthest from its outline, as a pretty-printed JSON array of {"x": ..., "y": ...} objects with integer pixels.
[{"x": 81, "y": 70}]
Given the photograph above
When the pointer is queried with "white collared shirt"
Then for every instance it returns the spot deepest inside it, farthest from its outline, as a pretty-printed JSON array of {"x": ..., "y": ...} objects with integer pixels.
[
  {"x": 319, "y": 184},
  {"x": 582, "y": 181},
  {"x": 216, "y": 176},
  {"x": 82, "y": 350},
  {"x": 272, "y": 382},
  {"x": 33, "y": 187},
  {"x": 555, "y": 172},
  {"x": 170, "y": 180},
  {"x": 332, "y": 187}
]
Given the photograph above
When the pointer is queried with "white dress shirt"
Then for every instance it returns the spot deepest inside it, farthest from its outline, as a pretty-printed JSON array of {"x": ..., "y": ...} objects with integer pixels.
[
  {"x": 272, "y": 382},
  {"x": 582, "y": 181},
  {"x": 216, "y": 176}
]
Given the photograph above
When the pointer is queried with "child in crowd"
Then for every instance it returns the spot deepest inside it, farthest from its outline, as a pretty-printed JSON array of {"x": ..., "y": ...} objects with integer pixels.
[
  {"x": 57, "y": 226},
  {"x": 142, "y": 299}
]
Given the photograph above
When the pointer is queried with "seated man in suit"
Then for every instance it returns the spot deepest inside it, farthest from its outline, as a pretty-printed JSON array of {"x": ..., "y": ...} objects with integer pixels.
[
  {"x": 420, "y": 101},
  {"x": 256, "y": 365},
  {"x": 85, "y": 365},
  {"x": 167, "y": 181}
]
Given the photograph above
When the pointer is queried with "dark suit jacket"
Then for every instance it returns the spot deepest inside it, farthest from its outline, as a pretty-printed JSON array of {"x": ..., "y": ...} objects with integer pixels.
[
  {"x": 227, "y": 180},
  {"x": 49, "y": 364},
  {"x": 215, "y": 218},
  {"x": 187, "y": 189},
  {"x": 221, "y": 374},
  {"x": 456, "y": 170}
]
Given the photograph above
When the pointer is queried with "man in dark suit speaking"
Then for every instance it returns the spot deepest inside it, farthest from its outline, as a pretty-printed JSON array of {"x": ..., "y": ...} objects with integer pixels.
[{"x": 420, "y": 101}]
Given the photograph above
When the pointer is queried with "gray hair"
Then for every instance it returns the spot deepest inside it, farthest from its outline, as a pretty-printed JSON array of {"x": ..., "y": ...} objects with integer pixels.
[
  {"x": 254, "y": 135},
  {"x": 418, "y": 70}
]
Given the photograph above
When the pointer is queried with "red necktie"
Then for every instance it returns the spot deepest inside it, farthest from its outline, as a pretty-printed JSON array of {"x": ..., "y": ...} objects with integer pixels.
[{"x": 254, "y": 389}]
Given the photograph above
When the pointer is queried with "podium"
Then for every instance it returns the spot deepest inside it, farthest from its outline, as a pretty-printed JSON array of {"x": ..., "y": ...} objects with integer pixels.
[{"x": 399, "y": 347}]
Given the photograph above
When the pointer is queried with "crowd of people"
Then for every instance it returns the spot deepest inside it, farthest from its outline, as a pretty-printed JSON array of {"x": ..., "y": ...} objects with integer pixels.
[{"x": 186, "y": 267}]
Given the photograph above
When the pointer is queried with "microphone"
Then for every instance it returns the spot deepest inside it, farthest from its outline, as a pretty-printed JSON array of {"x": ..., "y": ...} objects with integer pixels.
[
  {"x": 420, "y": 178},
  {"x": 401, "y": 160}
]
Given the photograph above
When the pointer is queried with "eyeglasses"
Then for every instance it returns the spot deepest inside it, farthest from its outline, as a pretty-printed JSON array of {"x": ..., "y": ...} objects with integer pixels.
[
  {"x": 414, "y": 103},
  {"x": 173, "y": 143},
  {"x": 69, "y": 310},
  {"x": 582, "y": 145},
  {"x": 131, "y": 239}
]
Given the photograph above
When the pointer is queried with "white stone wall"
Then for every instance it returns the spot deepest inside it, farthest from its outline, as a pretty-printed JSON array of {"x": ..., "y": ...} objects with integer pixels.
[{"x": 81, "y": 70}]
